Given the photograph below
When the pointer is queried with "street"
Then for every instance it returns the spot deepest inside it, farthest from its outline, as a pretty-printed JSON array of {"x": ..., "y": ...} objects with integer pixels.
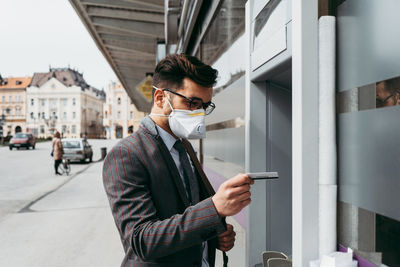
[{"x": 49, "y": 220}]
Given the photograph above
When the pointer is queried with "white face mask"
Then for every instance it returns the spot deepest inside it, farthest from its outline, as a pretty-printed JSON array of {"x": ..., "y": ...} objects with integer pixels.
[{"x": 184, "y": 123}]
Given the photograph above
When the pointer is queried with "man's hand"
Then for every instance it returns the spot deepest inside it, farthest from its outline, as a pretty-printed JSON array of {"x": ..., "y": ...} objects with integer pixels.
[
  {"x": 233, "y": 195},
  {"x": 226, "y": 240}
]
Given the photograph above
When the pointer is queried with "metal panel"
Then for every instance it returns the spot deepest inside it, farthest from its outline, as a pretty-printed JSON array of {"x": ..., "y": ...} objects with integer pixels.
[
  {"x": 369, "y": 160},
  {"x": 279, "y": 158},
  {"x": 269, "y": 31},
  {"x": 367, "y": 42}
]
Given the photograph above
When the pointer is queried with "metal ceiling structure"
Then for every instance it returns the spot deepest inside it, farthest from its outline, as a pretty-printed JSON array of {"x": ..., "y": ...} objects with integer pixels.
[{"x": 127, "y": 33}]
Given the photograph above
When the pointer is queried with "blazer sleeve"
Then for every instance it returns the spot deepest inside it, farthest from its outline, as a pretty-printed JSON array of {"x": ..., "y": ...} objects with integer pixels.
[{"x": 126, "y": 182}]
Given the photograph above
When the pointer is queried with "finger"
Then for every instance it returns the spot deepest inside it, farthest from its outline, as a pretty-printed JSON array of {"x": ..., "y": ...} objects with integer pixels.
[
  {"x": 229, "y": 248},
  {"x": 226, "y": 247},
  {"x": 226, "y": 240},
  {"x": 227, "y": 232},
  {"x": 245, "y": 202},
  {"x": 240, "y": 189},
  {"x": 239, "y": 179},
  {"x": 244, "y": 196},
  {"x": 226, "y": 237}
]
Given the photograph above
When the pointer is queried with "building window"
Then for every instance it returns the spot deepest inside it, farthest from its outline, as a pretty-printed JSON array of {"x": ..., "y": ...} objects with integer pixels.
[
  {"x": 64, "y": 128},
  {"x": 32, "y": 115},
  {"x": 54, "y": 115},
  {"x": 73, "y": 129},
  {"x": 119, "y": 115},
  {"x": 73, "y": 115},
  {"x": 131, "y": 115},
  {"x": 53, "y": 102},
  {"x": 73, "y": 101},
  {"x": 18, "y": 111},
  {"x": 43, "y": 115},
  {"x": 3, "y": 99},
  {"x": 18, "y": 98},
  {"x": 65, "y": 102},
  {"x": 43, "y": 102},
  {"x": 119, "y": 101},
  {"x": 65, "y": 115},
  {"x": 42, "y": 129},
  {"x": 10, "y": 99},
  {"x": 106, "y": 114},
  {"x": 32, "y": 102}
]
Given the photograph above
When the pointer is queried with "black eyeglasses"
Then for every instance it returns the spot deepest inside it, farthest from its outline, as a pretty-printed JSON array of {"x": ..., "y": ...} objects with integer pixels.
[
  {"x": 381, "y": 103},
  {"x": 195, "y": 102}
]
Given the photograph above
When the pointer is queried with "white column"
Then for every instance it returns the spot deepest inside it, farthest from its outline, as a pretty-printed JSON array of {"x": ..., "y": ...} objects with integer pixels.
[
  {"x": 305, "y": 130},
  {"x": 327, "y": 136}
]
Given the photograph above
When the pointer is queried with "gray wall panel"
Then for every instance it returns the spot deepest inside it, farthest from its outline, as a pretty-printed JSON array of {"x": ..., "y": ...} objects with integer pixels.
[
  {"x": 369, "y": 160},
  {"x": 368, "y": 42},
  {"x": 226, "y": 144},
  {"x": 229, "y": 103}
]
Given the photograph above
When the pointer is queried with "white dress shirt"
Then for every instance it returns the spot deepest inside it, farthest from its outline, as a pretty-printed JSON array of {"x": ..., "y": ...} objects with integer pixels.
[{"x": 169, "y": 141}]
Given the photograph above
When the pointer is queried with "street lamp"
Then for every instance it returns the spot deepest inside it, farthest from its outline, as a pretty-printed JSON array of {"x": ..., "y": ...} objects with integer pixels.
[{"x": 51, "y": 122}]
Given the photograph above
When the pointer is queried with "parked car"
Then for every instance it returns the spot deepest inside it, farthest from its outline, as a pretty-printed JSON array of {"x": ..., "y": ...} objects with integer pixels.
[
  {"x": 22, "y": 140},
  {"x": 77, "y": 149}
]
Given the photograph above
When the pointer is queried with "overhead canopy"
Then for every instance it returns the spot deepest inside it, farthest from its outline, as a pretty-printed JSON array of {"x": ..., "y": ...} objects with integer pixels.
[{"x": 127, "y": 33}]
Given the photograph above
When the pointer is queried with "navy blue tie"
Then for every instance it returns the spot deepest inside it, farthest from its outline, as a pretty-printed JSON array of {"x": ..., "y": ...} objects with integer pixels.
[{"x": 188, "y": 175}]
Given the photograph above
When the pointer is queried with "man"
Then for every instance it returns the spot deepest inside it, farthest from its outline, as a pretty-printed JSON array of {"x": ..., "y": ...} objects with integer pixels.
[
  {"x": 388, "y": 93},
  {"x": 160, "y": 204}
]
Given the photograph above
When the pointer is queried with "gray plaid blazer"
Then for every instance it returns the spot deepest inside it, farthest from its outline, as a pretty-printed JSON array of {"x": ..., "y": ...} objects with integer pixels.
[{"x": 150, "y": 207}]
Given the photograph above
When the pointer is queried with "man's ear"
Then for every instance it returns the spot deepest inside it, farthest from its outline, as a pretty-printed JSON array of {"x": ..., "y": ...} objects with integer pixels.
[{"x": 159, "y": 98}]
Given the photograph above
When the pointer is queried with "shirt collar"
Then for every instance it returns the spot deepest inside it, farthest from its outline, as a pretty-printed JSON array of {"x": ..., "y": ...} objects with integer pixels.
[{"x": 167, "y": 138}]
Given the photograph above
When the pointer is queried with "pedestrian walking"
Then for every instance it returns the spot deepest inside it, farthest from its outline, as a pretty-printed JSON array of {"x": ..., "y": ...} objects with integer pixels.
[
  {"x": 58, "y": 151},
  {"x": 159, "y": 195}
]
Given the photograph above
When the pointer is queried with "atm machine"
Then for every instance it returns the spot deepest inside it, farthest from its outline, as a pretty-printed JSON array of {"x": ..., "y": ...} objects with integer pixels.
[{"x": 269, "y": 126}]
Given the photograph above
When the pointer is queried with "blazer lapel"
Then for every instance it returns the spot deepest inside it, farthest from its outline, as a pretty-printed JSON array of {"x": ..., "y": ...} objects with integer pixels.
[{"x": 150, "y": 125}]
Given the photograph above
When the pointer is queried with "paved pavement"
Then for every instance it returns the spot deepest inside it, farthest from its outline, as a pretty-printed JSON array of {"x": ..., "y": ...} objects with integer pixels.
[
  {"x": 48, "y": 220},
  {"x": 25, "y": 175}
]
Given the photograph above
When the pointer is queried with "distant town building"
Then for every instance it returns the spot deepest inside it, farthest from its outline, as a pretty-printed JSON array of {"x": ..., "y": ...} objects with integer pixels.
[
  {"x": 121, "y": 116},
  {"x": 12, "y": 104},
  {"x": 62, "y": 100}
]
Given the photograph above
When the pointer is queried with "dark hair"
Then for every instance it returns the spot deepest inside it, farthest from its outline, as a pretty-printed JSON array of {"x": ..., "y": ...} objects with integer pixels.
[{"x": 171, "y": 71}]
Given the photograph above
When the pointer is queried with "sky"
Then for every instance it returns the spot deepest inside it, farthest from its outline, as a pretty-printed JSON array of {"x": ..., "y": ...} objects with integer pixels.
[{"x": 36, "y": 34}]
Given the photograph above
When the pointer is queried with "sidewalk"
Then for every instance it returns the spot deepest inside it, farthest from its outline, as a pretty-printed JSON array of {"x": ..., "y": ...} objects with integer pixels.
[{"x": 72, "y": 226}]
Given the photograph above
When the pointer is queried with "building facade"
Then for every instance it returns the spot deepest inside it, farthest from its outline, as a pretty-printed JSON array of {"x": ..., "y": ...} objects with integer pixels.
[
  {"x": 12, "y": 104},
  {"x": 62, "y": 100},
  {"x": 121, "y": 116}
]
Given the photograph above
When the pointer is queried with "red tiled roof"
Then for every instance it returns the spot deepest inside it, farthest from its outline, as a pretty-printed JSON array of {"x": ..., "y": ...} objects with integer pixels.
[{"x": 15, "y": 83}]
